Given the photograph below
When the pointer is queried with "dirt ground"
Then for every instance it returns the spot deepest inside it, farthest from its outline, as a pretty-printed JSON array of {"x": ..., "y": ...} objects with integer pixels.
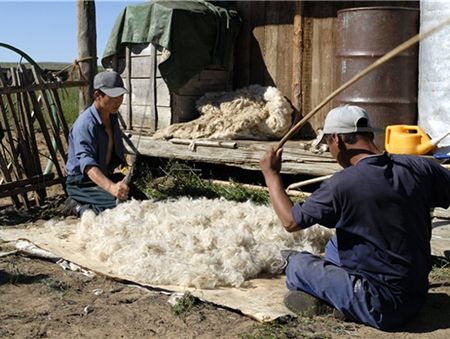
[{"x": 39, "y": 299}]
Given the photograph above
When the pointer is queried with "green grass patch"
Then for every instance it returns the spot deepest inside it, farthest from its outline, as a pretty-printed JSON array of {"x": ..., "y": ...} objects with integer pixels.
[
  {"x": 186, "y": 305},
  {"x": 13, "y": 270},
  {"x": 440, "y": 273},
  {"x": 301, "y": 327},
  {"x": 292, "y": 328},
  {"x": 69, "y": 98},
  {"x": 57, "y": 286},
  {"x": 180, "y": 179}
]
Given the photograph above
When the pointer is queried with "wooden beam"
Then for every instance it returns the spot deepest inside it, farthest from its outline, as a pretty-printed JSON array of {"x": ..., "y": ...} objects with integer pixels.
[
  {"x": 37, "y": 184},
  {"x": 25, "y": 182},
  {"x": 51, "y": 85},
  {"x": 208, "y": 143}
]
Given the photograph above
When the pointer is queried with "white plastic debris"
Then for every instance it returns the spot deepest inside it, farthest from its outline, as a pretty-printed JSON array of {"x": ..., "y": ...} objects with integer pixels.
[
  {"x": 88, "y": 309},
  {"x": 25, "y": 247},
  {"x": 67, "y": 265},
  {"x": 97, "y": 291},
  {"x": 175, "y": 298}
]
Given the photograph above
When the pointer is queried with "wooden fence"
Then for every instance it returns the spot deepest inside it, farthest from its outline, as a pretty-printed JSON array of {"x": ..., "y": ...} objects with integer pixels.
[{"x": 33, "y": 135}]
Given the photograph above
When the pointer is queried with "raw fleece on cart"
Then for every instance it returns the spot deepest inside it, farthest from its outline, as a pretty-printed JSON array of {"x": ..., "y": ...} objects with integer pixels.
[{"x": 254, "y": 112}]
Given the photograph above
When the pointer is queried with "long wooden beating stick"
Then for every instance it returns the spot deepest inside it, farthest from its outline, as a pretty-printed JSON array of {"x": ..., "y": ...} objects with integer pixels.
[{"x": 397, "y": 50}]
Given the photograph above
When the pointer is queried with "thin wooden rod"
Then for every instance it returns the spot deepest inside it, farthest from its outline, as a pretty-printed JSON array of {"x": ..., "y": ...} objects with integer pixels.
[
  {"x": 397, "y": 50},
  {"x": 308, "y": 182},
  {"x": 255, "y": 187}
]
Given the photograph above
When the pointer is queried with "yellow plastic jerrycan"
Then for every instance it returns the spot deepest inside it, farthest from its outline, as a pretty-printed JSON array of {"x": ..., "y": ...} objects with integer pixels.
[{"x": 409, "y": 139}]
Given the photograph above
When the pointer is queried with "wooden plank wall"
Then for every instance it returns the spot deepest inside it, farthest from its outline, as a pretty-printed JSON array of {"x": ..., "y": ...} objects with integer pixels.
[
  {"x": 292, "y": 45},
  {"x": 148, "y": 107},
  {"x": 264, "y": 45},
  {"x": 151, "y": 105}
]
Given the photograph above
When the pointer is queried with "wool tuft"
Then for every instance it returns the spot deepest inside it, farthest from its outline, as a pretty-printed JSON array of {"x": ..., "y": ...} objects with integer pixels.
[
  {"x": 254, "y": 112},
  {"x": 202, "y": 243}
]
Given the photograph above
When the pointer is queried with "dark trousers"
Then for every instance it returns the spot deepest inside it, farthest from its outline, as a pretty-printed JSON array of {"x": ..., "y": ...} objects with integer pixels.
[
  {"x": 90, "y": 196},
  {"x": 352, "y": 295}
]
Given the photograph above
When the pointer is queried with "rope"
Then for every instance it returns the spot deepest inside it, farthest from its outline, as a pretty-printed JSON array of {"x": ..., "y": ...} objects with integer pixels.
[{"x": 75, "y": 66}]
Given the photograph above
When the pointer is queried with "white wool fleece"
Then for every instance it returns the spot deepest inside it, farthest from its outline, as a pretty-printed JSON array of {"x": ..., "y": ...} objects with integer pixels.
[
  {"x": 254, "y": 112},
  {"x": 203, "y": 243}
]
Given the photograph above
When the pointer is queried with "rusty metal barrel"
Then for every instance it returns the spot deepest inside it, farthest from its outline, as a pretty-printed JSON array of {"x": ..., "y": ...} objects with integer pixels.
[{"x": 388, "y": 93}]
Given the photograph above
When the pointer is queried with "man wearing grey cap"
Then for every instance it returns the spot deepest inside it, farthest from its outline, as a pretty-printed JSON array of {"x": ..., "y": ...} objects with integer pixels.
[
  {"x": 96, "y": 150},
  {"x": 376, "y": 266}
]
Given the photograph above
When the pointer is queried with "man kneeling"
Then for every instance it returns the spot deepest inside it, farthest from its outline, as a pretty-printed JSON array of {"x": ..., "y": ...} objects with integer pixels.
[{"x": 96, "y": 150}]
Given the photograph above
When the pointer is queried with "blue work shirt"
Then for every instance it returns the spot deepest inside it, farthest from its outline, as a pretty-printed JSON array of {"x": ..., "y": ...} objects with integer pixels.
[
  {"x": 381, "y": 211},
  {"x": 88, "y": 143}
]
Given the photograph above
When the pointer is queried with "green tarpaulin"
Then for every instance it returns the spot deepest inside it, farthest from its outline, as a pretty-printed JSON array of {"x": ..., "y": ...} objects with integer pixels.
[{"x": 197, "y": 34}]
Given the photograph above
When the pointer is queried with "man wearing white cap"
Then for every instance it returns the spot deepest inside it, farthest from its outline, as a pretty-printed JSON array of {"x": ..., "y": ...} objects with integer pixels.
[
  {"x": 376, "y": 267},
  {"x": 96, "y": 150}
]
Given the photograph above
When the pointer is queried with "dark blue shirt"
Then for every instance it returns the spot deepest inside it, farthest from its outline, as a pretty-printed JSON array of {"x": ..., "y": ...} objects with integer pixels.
[
  {"x": 88, "y": 143},
  {"x": 381, "y": 211}
]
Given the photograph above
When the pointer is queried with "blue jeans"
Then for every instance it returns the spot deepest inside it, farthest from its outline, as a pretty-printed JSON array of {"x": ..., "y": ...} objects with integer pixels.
[
  {"x": 93, "y": 197},
  {"x": 352, "y": 295}
]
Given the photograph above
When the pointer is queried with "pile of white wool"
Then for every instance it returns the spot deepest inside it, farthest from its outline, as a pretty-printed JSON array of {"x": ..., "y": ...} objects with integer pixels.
[
  {"x": 254, "y": 112},
  {"x": 201, "y": 243}
]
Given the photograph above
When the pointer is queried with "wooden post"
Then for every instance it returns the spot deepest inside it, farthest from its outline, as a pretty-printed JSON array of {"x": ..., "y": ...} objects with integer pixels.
[
  {"x": 297, "y": 61},
  {"x": 87, "y": 50},
  {"x": 153, "y": 97},
  {"x": 129, "y": 67}
]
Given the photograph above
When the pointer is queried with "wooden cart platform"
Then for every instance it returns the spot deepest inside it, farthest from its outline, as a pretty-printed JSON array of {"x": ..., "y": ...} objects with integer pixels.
[{"x": 238, "y": 153}]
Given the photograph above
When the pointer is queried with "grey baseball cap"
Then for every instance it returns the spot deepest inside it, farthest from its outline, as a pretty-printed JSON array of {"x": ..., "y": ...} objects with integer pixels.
[
  {"x": 345, "y": 119},
  {"x": 110, "y": 83}
]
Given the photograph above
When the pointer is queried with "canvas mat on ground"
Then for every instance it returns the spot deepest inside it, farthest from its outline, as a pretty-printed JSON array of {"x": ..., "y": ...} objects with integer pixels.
[{"x": 260, "y": 299}]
